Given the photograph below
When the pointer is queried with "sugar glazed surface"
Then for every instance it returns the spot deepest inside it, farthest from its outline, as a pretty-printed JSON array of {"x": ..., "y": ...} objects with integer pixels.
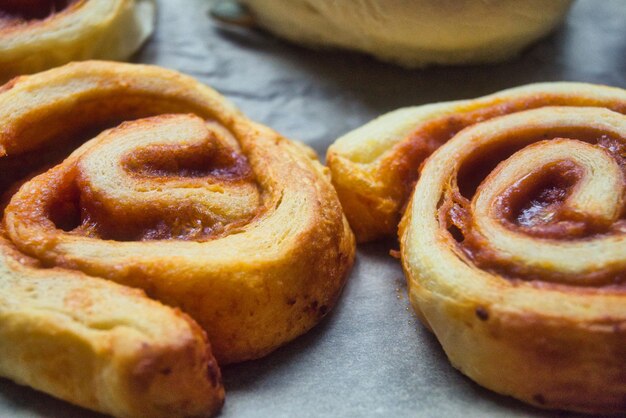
[{"x": 234, "y": 235}]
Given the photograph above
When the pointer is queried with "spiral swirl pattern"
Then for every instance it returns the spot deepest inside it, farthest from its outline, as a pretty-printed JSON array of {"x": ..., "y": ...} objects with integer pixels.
[
  {"x": 190, "y": 201},
  {"x": 514, "y": 249},
  {"x": 375, "y": 167}
]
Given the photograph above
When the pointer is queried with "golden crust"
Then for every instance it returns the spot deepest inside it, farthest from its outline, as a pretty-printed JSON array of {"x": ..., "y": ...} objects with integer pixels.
[
  {"x": 85, "y": 29},
  {"x": 375, "y": 167},
  {"x": 202, "y": 208},
  {"x": 524, "y": 300},
  {"x": 100, "y": 345}
]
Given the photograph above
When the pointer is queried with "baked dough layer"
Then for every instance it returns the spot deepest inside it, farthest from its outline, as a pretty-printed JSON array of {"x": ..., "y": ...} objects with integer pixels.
[
  {"x": 188, "y": 200},
  {"x": 414, "y": 33},
  {"x": 100, "y": 345},
  {"x": 86, "y": 29},
  {"x": 512, "y": 235},
  {"x": 519, "y": 272},
  {"x": 374, "y": 168}
]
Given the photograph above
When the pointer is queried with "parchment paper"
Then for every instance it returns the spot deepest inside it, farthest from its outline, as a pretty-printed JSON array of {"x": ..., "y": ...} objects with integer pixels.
[{"x": 370, "y": 357}]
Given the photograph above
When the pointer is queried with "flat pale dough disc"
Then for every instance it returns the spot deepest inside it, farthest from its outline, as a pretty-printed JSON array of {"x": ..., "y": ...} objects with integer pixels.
[{"x": 414, "y": 33}]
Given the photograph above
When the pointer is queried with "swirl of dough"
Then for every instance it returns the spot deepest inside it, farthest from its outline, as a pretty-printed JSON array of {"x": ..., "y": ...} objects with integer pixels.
[
  {"x": 39, "y": 34},
  {"x": 374, "y": 168},
  {"x": 187, "y": 200},
  {"x": 513, "y": 245}
]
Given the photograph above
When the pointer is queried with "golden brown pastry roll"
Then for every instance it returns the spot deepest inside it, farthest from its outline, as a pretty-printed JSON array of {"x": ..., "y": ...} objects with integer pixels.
[
  {"x": 374, "y": 168},
  {"x": 514, "y": 248},
  {"x": 182, "y": 197},
  {"x": 39, "y": 34}
]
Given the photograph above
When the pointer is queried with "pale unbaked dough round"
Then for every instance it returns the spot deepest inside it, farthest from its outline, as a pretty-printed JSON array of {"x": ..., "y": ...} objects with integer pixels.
[{"x": 414, "y": 33}]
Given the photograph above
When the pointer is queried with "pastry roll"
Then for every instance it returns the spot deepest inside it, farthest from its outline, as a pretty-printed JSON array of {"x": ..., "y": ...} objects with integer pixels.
[
  {"x": 414, "y": 33},
  {"x": 513, "y": 235},
  {"x": 39, "y": 34},
  {"x": 374, "y": 168},
  {"x": 514, "y": 249},
  {"x": 179, "y": 195}
]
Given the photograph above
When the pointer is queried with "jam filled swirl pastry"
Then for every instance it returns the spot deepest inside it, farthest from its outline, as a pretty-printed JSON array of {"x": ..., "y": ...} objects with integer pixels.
[
  {"x": 39, "y": 34},
  {"x": 374, "y": 168},
  {"x": 514, "y": 248},
  {"x": 207, "y": 212}
]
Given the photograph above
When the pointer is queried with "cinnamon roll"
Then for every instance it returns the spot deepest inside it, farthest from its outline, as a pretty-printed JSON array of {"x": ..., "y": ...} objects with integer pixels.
[
  {"x": 514, "y": 248},
  {"x": 205, "y": 211},
  {"x": 375, "y": 167},
  {"x": 39, "y": 34}
]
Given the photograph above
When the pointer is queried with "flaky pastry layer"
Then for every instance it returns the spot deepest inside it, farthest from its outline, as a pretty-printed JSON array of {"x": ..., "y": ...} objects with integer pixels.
[
  {"x": 514, "y": 245},
  {"x": 374, "y": 168},
  {"x": 204, "y": 210}
]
